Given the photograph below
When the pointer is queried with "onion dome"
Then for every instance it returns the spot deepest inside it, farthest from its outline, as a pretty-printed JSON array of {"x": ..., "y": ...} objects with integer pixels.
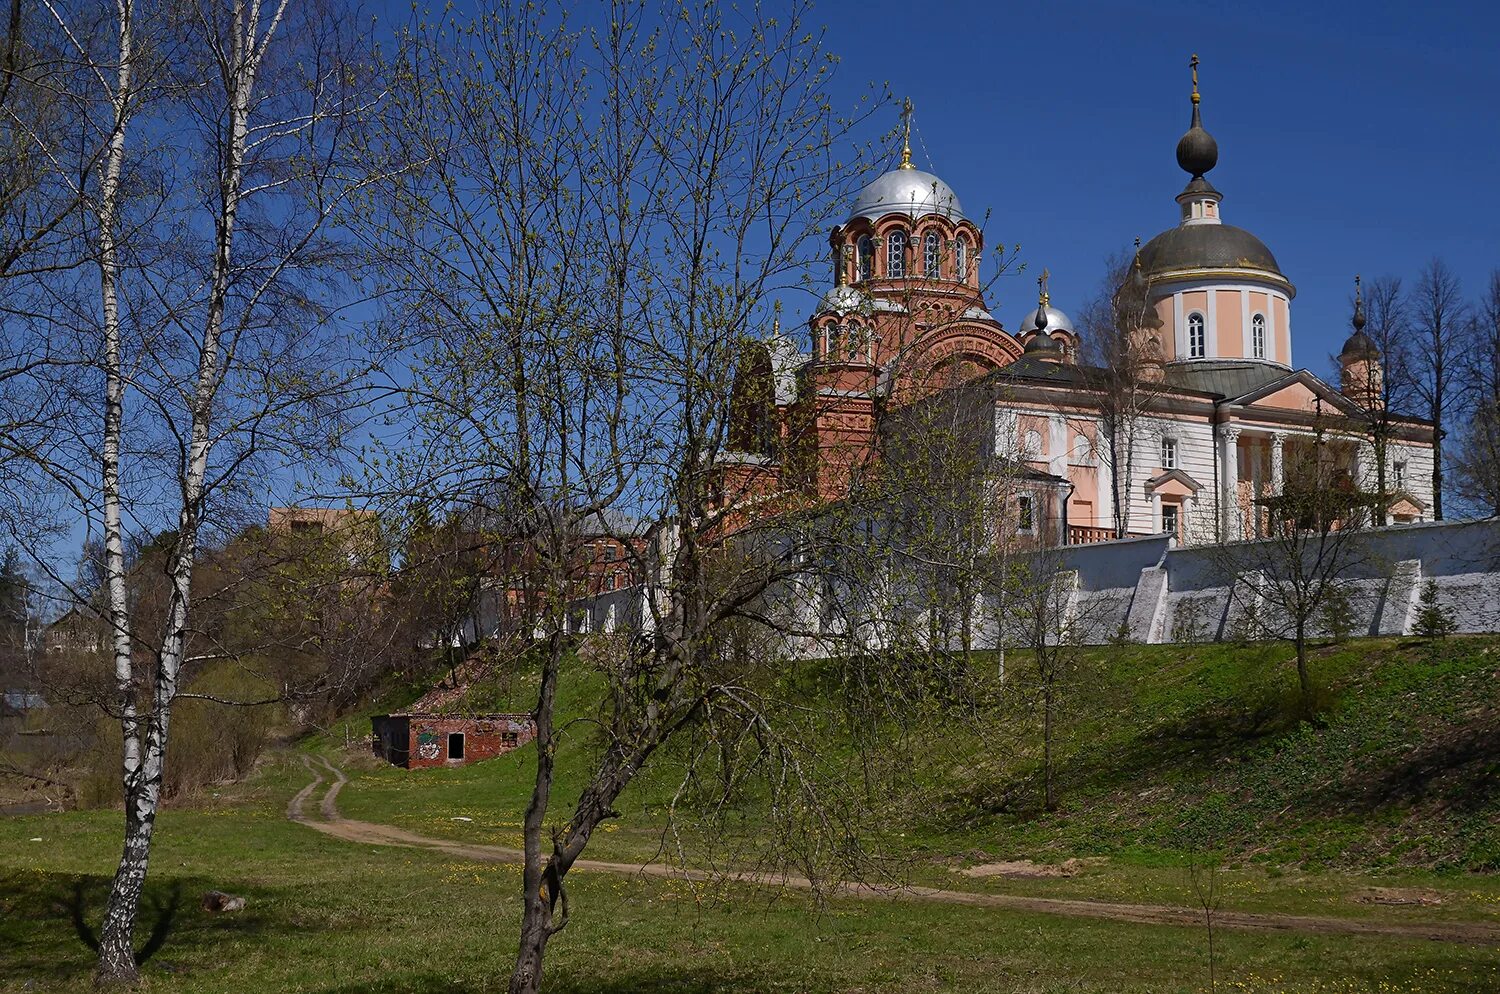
[
  {"x": 907, "y": 189},
  {"x": 1054, "y": 320},
  {"x": 1203, "y": 240},
  {"x": 1041, "y": 323},
  {"x": 1359, "y": 345},
  {"x": 1197, "y": 152}
]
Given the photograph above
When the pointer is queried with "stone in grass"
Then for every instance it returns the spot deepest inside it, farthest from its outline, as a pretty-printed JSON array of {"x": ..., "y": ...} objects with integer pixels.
[{"x": 216, "y": 902}]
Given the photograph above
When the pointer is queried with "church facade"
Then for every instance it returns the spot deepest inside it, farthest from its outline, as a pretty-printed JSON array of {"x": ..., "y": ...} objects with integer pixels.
[{"x": 1219, "y": 418}]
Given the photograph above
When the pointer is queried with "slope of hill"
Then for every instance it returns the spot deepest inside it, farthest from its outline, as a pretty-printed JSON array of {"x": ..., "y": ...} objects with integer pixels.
[{"x": 1163, "y": 753}]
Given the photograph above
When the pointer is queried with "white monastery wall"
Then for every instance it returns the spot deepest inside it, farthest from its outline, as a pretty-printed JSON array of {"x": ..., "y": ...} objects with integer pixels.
[{"x": 1150, "y": 591}]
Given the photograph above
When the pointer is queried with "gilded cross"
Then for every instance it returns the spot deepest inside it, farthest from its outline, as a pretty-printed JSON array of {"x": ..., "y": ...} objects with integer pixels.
[{"x": 906, "y": 134}]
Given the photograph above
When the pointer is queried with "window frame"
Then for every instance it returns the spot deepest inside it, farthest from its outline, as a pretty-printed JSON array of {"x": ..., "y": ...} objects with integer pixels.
[
  {"x": 1175, "y": 510},
  {"x": 1026, "y": 514},
  {"x": 1258, "y": 336},
  {"x": 961, "y": 253},
  {"x": 1170, "y": 455},
  {"x": 864, "y": 258},
  {"x": 1197, "y": 324},
  {"x": 932, "y": 254},
  {"x": 895, "y": 254}
]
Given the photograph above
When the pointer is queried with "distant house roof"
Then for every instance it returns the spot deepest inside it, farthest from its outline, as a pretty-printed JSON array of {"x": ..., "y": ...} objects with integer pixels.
[{"x": 22, "y": 700}]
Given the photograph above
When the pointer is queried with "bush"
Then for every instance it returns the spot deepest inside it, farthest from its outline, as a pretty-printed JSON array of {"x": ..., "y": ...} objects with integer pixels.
[
  {"x": 1433, "y": 620},
  {"x": 212, "y": 742}
]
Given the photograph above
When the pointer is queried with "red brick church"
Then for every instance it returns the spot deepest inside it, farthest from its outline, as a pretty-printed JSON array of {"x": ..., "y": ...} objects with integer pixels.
[{"x": 1232, "y": 419}]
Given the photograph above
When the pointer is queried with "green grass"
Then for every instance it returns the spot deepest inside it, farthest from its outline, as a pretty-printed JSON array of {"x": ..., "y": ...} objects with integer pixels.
[
  {"x": 1166, "y": 753},
  {"x": 1169, "y": 753},
  {"x": 327, "y": 916}
]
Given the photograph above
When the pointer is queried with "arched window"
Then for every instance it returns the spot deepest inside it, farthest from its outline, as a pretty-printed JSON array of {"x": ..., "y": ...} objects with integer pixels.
[
  {"x": 831, "y": 334},
  {"x": 854, "y": 341},
  {"x": 866, "y": 252},
  {"x": 931, "y": 254},
  {"x": 1258, "y": 336},
  {"x": 895, "y": 254},
  {"x": 1196, "y": 345},
  {"x": 962, "y": 267}
]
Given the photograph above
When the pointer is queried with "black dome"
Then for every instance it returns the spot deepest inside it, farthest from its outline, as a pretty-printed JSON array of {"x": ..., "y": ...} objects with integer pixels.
[
  {"x": 1206, "y": 246},
  {"x": 1197, "y": 152},
  {"x": 1359, "y": 346}
]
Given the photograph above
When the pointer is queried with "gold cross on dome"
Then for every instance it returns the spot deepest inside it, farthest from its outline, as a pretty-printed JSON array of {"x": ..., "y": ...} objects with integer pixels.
[
  {"x": 1194, "y": 63},
  {"x": 906, "y": 134},
  {"x": 1041, "y": 281}
]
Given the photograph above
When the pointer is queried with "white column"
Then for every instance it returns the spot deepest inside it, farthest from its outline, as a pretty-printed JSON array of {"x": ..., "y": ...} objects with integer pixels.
[
  {"x": 1229, "y": 502},
  {"x": 1156, "y": 525}
]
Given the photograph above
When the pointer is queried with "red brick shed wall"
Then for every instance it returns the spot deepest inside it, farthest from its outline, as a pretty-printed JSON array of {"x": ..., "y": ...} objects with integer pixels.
[{"x": 484, "y": 738}]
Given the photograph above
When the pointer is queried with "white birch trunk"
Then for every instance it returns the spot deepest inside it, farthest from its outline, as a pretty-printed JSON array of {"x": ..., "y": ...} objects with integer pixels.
[{"x": 146, "y": 761}]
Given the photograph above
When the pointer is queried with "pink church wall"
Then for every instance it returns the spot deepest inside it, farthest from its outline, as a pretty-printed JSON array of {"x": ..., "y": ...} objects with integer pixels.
[
  {"x": 1283, "y": 332},
  {"x": 1231, "y": 324}
]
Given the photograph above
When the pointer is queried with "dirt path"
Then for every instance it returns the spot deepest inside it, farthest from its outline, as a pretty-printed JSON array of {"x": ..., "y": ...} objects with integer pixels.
[{"x": 331, "y": 823}]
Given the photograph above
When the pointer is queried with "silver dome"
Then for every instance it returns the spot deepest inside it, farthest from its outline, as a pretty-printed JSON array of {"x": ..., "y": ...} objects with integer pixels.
[
  {"x": 1056, "y": 321},
  {"x": 843, "y": 300},
  {"x": 907, "y": 191}
]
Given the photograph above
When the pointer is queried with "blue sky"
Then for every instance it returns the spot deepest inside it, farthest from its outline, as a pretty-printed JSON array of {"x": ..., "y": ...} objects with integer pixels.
[{"x": 1352, "y": 137}]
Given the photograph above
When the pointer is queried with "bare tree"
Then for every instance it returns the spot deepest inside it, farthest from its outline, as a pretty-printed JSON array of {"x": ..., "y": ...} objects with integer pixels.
[
  {"x": 1477, "y": 462},
  {"x": 1438, "y": 317},
  {"x": 600, "y": 222},
  {"x": 1312, "y": 552},
  {"x": 1125, "y": 362},
  {"x": 1044, "y": 612},
  {"x": 1382, "y": 307},
  {"x": 1207, "y": 889}
]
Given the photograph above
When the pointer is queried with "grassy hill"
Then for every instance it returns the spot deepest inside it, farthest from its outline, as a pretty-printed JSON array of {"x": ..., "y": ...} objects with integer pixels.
[
  {"x": 1165, "y": 753},
  {"x": 1385, "y": 809}
]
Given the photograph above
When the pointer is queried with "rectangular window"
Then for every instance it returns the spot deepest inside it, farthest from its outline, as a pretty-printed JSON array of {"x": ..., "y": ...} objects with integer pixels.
[
  {"x": 1169, "y": 519},
  {"x": 1399, "y": 472},
  {"x": 1025, "y": 516},
  {"x": 1169, "y": 453},
  {"x": 455, "y": 745}
]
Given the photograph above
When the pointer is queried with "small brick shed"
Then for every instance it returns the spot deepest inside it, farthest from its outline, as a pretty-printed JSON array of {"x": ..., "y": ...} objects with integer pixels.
[{"x": 415, "y": 741}]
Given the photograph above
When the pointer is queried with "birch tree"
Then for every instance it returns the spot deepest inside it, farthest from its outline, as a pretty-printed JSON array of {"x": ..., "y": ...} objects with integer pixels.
[{"x": 214, "y": 355}]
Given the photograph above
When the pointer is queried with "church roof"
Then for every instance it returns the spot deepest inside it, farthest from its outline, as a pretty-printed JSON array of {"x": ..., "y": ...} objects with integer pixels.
[
  {"x": 1226, "y": 378},
  {"x": 907, "y": 191},
  {"x": 1206, "y": 246}
]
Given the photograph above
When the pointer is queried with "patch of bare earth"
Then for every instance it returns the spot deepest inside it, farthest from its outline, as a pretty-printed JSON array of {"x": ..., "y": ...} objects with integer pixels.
[{"x": 1025, "y": 869}]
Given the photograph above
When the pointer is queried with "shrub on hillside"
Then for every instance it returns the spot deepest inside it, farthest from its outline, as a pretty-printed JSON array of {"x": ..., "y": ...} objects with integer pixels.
[{"x": 1434, "y": 621}]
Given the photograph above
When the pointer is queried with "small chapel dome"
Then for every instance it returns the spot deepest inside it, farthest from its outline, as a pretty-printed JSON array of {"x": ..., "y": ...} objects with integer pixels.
[
  {"x": 843, "y": 300},
  {"x": 1359, "y": 345},
  {"x": 1042, "y": 343},
  {"x": 1056, "y": 321}
]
